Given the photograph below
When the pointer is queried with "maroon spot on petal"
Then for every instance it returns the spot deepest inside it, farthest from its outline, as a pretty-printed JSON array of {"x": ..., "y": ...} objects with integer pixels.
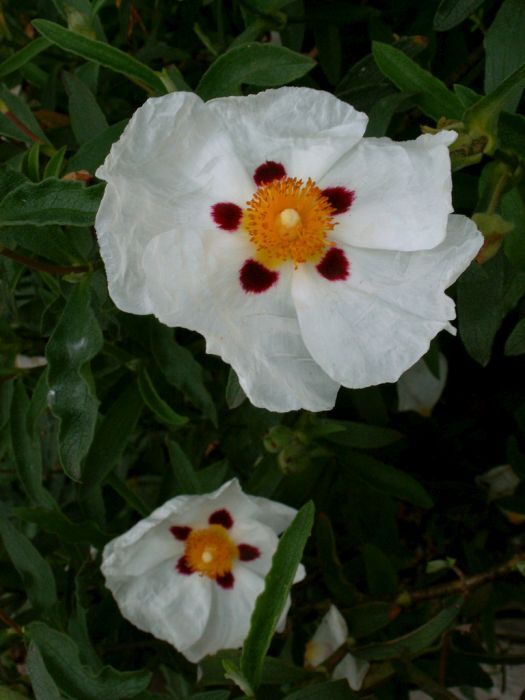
[
  {"x": 248, "y": 553},
  {"x": 226, "y": 580},
  {"x": 183, "y": 567},
  {"x": 340, "y": 198},
  {"x": 227, "y": 215},
  {"x": 180, "y": 532},
  {"x": 334, "y": 266},
  {"x": 221, "y": 517},
  {"x": 256, "y": 278},
  {"x": 268, "y": 172}
]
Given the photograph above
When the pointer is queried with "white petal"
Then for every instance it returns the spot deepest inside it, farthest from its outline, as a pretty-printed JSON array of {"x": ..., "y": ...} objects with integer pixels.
[
  {"x": 193, "y": 281},
  {"x": 331, "y": 633},
  {"x": 229, "y": 620},
  {"x": 352, "y": 670},
  {"x": 376, "y": 324},
  {"x": 306, "y": 130},
  {"x": 419, "y": 390},
  {"x": 402, "y": 193},
  {"x": 172, "y": 149},
  {"x": 171, "y": 606}
]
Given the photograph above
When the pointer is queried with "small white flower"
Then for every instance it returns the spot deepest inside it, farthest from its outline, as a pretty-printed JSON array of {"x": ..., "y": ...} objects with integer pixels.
[
  {"x": 190, "y": 573},
  {"x": 331, "y": 633},
  {"x": 418, "y": 389},
  {"x": 309, "y": 257}
]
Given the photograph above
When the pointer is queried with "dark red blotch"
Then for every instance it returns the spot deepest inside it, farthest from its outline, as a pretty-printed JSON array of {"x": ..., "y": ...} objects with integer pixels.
[
  {"x": 248, "y": 553},
  {"x": 340, "y": 198},
  {"x": 226, "y": 580},
  {"x": 268, "y": 172},
  {"x": 334, "y": 266},
  {"x": 221, "y": 517},
  {"x": 183, "y": 566},
  {"x": 180, "y": 532},
  {"x": 227, "y": 215},
  {"x": 256, "y": 278}
]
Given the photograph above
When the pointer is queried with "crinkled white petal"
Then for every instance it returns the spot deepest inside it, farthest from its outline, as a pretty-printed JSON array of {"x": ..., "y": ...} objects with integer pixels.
[
  {"x": 353, "y": 670},
  {"x": 373, "y": 326},
  {"x": 172, "y": 149},
  {"x": 306, "y": 130},
  {"x": 193, "y": 281},
  {"x": 171, "y": 606},
  {"x": 420, "y": 390},
  {"x": 331, "y": 633},
  {"x": 402, "y": 193}
]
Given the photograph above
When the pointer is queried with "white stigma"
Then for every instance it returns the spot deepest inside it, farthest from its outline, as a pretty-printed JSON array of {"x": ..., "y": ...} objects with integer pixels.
[
  {"x": 289, "y": 218},
  {"x": 207, "y": 556}
]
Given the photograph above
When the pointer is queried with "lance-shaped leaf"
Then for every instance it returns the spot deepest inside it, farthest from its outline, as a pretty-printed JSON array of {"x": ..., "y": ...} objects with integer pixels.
[
  {"x": 450, "y": 13},
  {"x": 414, "y": 642},
  {"x": 264, "y": 65},
  {"x": 43, "y": 685},
  {"x": 98, "y": 51},
  {"x": 160, "y": 408},
  {"x": 271, "y": 602},
  {"x": 77, "y": 338},
  {"x": 34, "y": 570},
  {"x": 51, "y": 201},
  {"x": 62, "y": 660},
  {"x": 26, "y": 54},
  {"x": 428, "y": 92}
]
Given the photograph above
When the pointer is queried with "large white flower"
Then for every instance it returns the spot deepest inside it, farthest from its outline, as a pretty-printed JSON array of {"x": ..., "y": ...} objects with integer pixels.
[
  {"x": 329, "y": 636},
  {"x": 308, "y": 256},
  {"x": 190, "y": 573}
]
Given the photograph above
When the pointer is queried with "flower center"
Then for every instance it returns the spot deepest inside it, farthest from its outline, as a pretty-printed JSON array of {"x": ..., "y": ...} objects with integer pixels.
[
  {"x": 289, "y": 220},
  {"x": 211, "y": 551}
]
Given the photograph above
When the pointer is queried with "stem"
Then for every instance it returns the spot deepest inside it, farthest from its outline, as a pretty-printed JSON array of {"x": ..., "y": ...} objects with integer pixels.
[
  {"x": 46, "y": 267},
  {"x": 427, "y": 683},
  {"x": 10, "y": 622},
  {"x": 465, "y": 585},
  {"x": 498, "y": 192}
]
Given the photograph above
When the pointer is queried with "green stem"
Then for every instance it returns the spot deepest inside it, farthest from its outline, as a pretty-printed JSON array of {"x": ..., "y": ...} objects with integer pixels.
[
  {"x": 498, "y": 192},
  {"x": 33, "y": 264}
]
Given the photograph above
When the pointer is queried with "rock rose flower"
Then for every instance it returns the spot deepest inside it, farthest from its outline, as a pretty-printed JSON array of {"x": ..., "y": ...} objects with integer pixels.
[
  {"x": 309, "y": 257},
  {"x": 331, "y": 633},
  {"x": 190, "y": 573}
]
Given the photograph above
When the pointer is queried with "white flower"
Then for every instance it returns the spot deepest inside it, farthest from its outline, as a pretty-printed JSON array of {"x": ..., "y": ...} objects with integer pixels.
[
  {"x": 331, "y": 633},
  {"x": 420, "y": 390},
  {"x": 190, "y": 573},
  {"x": 309, "y": 257}
]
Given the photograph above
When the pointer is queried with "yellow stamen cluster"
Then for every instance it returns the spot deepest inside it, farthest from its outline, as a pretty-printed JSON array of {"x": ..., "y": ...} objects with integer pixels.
[
  {"x": 289, "y": 220},
  {"x": 211, "y": 551}
]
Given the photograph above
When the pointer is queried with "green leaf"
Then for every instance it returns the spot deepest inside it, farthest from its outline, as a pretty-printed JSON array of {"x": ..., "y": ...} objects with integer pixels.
[
  {"x": 482, "y": 117},
  {"x": 234, "y": 395},
  {"x": 27, "y": 450},
  {"x": 55, "y": 163},
  {"x": 515, "y": 344},
  {"x": 368, "y": 618},
  {"x": 43, "y": 685},
  {"x": 263, "y": 65},
  {"x": 55, "y": 522},
  {"x": 99, "y": 52},
  {"x": 181, "y": 369},
  {"x": 51, "y": 201},
  {"x": 23, "y": 114},
  {"x": 112, "y": 435},
  {"x": 505, "y": 49},
  {"x": 271, "y": 602},
  {"x": 87, "y": 119},
  {"x": 275, "y": 671},
  {"x": 34, "y": 570},
  {"x": 331, "y": 690},
  {"x": 23, "y": 56},
  {"x": 8, "y": 694},
  {"x": 62, "y": 660},
  {"x": 186, "y": 478},
  {"x": 331, "y": 567},
  {"x": 511, "y": 133},
  {"x": 429, "y": 93},
  {"x": 160, "y": 408},
  {"x": 380, "y": 573},
  {"x": 450, "y": 13},
  {"x": 128, "y": 495},
  {"x": 77, "y": 338},
  {"x": 93, "y": 153},
  {"x": 415, "y": 642},
  {"x": 388, "y": 480}
]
